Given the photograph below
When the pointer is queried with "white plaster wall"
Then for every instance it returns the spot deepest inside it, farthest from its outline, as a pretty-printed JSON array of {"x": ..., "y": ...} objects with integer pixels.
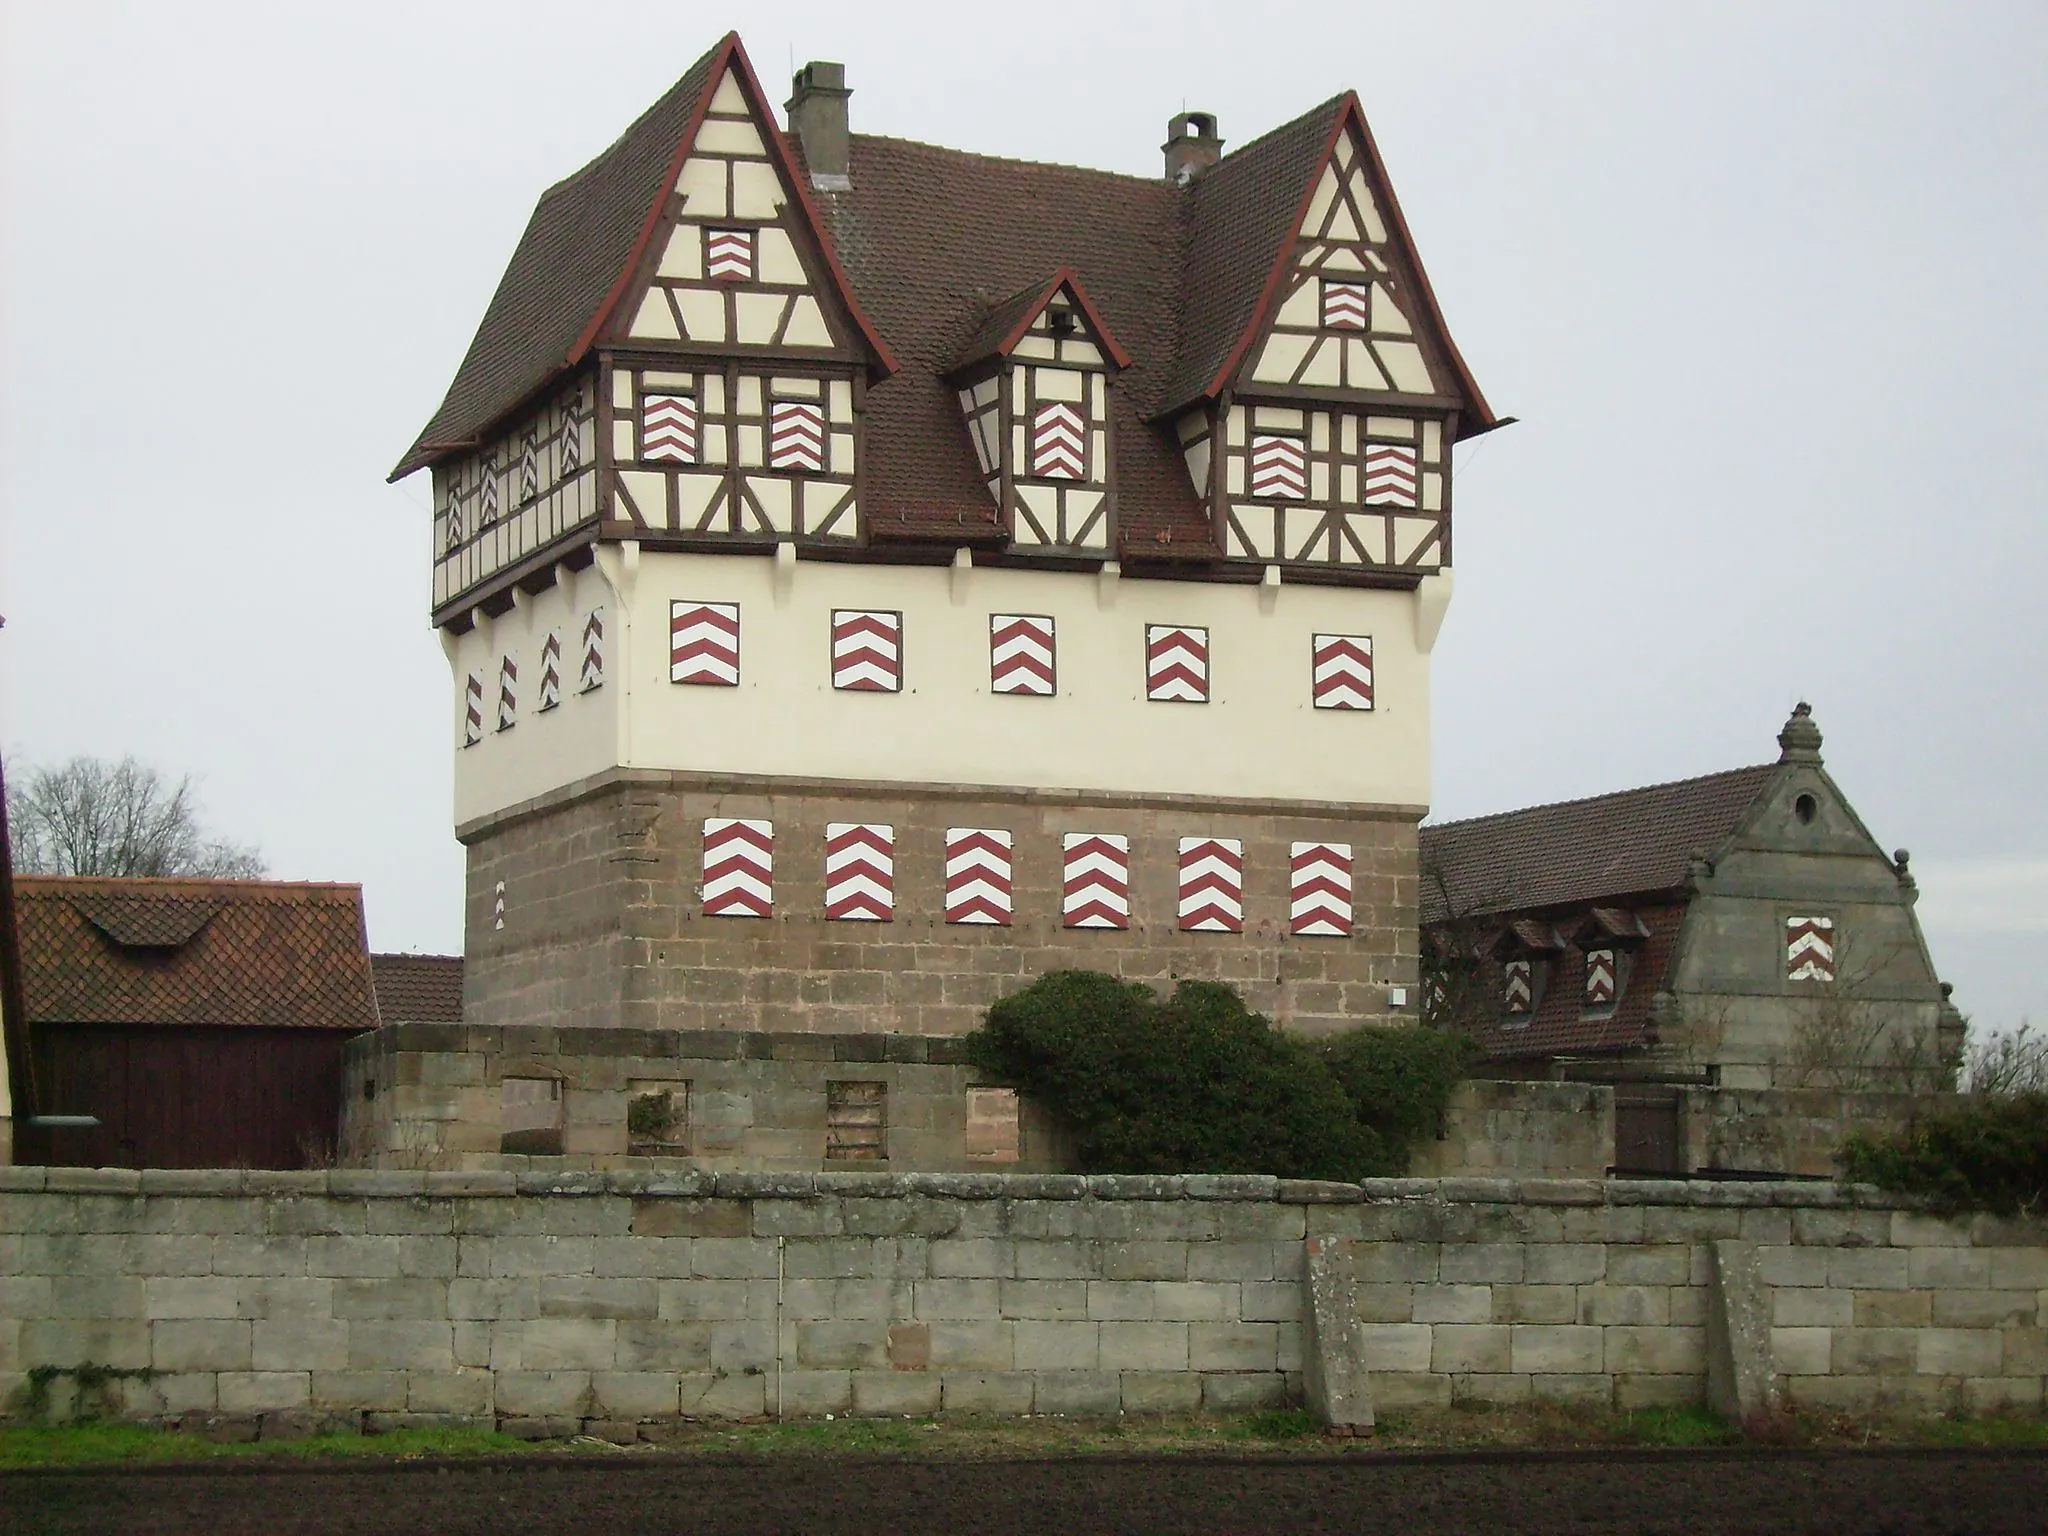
[{"x": 1258, "y": 737}]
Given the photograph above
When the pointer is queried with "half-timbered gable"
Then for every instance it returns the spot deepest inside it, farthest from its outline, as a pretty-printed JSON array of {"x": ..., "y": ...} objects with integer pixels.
[{"x": 1034, "y": 387}]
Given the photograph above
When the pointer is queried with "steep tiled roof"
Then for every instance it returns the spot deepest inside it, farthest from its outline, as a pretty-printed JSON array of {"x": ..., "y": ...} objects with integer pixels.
[
  {"x": 418, "y": 989},
  {"x": 929, "y": 240},
  {"x": 1634, "y": 842},
  {"x": 119, "y": 951}
]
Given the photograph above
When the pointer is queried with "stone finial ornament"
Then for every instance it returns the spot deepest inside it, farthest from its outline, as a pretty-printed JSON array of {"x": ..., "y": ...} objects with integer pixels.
[{"x": 1799, "y": 741}]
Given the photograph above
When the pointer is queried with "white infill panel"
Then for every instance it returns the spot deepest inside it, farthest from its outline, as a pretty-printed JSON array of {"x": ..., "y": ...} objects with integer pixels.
[
  {"x": 1319, "y": 890},
  {"x": 1097, "y": 887},
  {"x": 860, "y": 872},
  {"x": 1212, "y": 885},
  {"x": 978, "y": 875}
]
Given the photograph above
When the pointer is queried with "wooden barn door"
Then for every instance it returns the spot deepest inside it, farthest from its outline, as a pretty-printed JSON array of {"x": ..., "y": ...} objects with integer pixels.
[
  {"x": 1646, "y": 1130},
  {"x": 188, "y": 1097}
]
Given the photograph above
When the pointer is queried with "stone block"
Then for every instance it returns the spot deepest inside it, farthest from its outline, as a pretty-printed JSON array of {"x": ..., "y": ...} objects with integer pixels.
[
  {"x": 1535, "y": 1304},
  {"x": 812, "y": 1394},
  {"x": 1793, "y": 1266},
  {"x": 298, "y": 1344},
  {"x": 1244, "y": 1392},
  {"x": 972, "y": 1258},
  {"x": 740, "y": 1347},
  {"x": 401, "y": 1346},
  {"x": 1144, "y": 1261},
  {"x": 1842, "y": 1229},
  {"x": 2014, "y": 1269},
  {"x": 666, "y": 1217},
  {"x": 1656, "y": 1351},
  {"x": 1917, "y": 1229},
  {"x": 2025, "y": 1351},
  {"x": 1068, "y": 1260},
  {"x": 1461, "y": 1348},
  {"x": 1650, "y": 1264},
  {"x": 1496, "y": 1390},
  {"x": 1564, "y": 1263},
  {"x": 1983, "y": 1309},
  {"x": 1874, "y": 1351},
  {"x": 87, "y": 1342},
  {"x": 167, "y": 1254},
  {"x": 1453, "y": 1304},
  {"x": 1274, "y": 1301},
  {"x": 1553, "y": 1349},
  {"x": 1078, "y": 1394},
  {"x": 1002, "y": 1393},
  {"x": 1959, "y": 1268},
  {"x": 1410, "y": 1389},
  {"x": 1044, "y": 1300},
  {"x": 1481, "y": 1263},
  {"x": 581, "y": 1296},
  {"x": 1194, "y": 1301},
  {"x": 1394, "y": 1347},
  {"x": 1892, "y": 1309},
  {"x": 1957, "y": 1352},
  {"x": 1143, "y": 1346},
  {"x": 1594, "y": 1391},
  {"x": 1802, "y": 1351},
  {"x": 1384, "y": 1263},
  {"x": 199, "y": 1344},
  {"x": 357, "y": 1391},
  {"x": 711, "y": 1301},
  {"x": 833, "y": 1345},
  {"x": 1640, "y": 1306},
  {"x": 1234, "y": 1346},
  {"x": 558, "y": 1343},
  {"x": 1812, "y": 1307},
  {"x": 1158, "y": 1392},
  {"x": 1869, "y": 1269},
  {"x": 239, "y": 1254},
  {"x": 798, "y": 1218},
  {"x": 663, "y": 1346},
  {"x": 1056, "y": 1346},
  {"x": 721, "y": 1258},
  {"x": 516, "y": 1256},
  {"x": 937, "y": 1300},
  {"x": 559, "y": 1426},
  {"x": 102, "y": 1296},
  {"x": 894, "y": 1394},
  {"x": 542, "y": 1394},
  {"x": 715, "y": 1396},
  {"x": 263, "y": 1391},
  {"x": 974, "y": 1346}
]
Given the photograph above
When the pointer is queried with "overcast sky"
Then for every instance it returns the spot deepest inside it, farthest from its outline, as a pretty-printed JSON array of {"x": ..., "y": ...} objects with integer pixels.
[{"x": 1764, "y": 283}]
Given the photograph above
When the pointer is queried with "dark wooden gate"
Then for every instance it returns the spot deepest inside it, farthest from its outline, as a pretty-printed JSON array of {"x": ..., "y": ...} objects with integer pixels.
[
  {"x": 184, "y": 1096},
  {"x": 1646, "y": 1130}
]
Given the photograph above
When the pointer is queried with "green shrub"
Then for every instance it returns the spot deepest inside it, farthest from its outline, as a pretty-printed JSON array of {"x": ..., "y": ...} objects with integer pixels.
[
  {"x": 1399, "y": 1082},
  {"x": 1199, "y": 1083},
  {"x": 1985, "y": 1154}
]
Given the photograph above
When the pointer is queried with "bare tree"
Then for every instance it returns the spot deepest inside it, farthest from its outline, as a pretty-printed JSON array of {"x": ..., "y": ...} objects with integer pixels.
[
  {"x": 92, "y": 817},
  {"x": 2007, "y": 1062}
]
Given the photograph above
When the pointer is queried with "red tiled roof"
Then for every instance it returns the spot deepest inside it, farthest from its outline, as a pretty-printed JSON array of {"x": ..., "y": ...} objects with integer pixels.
[
  {"x": 1631, "y": 843},
  {"x": 1560, "y": 1025},
  {"x": 132, "y": 951},
  {"x": 929, "y": 240},
  {"x": 418, "y": 989}
]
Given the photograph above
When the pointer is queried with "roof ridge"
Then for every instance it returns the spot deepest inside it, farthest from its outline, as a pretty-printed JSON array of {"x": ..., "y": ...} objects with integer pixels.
[
  {"x": 153, "y": 886},
  {"x": 1016, "y": 160},
  {"x": 1612, "y": 794}
]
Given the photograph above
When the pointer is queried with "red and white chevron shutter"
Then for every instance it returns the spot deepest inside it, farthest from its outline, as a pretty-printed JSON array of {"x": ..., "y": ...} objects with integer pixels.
[
  {"x": 668, "y": 429},
  {"x": 1059, "y": 442},
  {"x": 1176, "y": 664},
  {"x": 551, "y": 670},
  {"x": 1097, "y": 880},
  {"x": 796, "y": 435},
  {"x": 739, "y": 867},
  {"x": 1021, "y": 653},
  {"x": 593, "y": 650},
  {"x": 704, "y": 643},
  {"x": 1319, "y": 890},
  {"x": 860, "y": 871},
  {"x": 1518, "y": 986},
  {"x": 1390, "y": 474},
  {"x": 1809, "y": 949},
  {"x": 978, "y": 876},
  {"x": 1344, "y": 304},
  {"x": 1343, "y": 672},
  {"x": 1600, "y": 978},
  {"x": 729, "y": 255},
  {"x": 1212, "y": 885},
  {"x": 867, "y": 650},
  {"x": 498, "y": 905},
  {"x": 1279, "y": 467},
  {"x": 508, "y": 692},
  {"x": 473, "y": 710}
]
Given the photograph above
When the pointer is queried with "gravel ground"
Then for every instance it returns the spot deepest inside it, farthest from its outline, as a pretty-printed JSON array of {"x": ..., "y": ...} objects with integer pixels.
[{"x": 1700, "y": 1493}]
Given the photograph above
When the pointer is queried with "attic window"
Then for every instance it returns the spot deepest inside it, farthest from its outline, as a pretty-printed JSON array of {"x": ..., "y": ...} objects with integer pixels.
[
  {"x": 1805, "y": 808},
  {"x": 1279, "y": 467},
  {"x": 729, "y": 255},
  {"x": 1061, "y": 321}
]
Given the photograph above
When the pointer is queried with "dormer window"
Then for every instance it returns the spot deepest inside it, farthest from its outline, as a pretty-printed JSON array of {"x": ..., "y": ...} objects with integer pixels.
[
  {"x": 1602, "y": 978},
  {"x": 1279, "y": 467},
  {"x": 729, "y": 255},
  {"x": 1607, "y": 942},
  {"x": 1518, "y": 987}
]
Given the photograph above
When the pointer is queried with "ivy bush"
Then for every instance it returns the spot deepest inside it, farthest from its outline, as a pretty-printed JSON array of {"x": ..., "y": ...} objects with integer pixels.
[
  {"x": 1198, "y": 1083},
  {"x": 1987, "y": 1153}
]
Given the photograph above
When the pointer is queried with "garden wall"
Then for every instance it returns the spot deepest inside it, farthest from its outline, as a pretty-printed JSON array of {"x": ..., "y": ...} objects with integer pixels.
[{"x": 617, "y": 1302}]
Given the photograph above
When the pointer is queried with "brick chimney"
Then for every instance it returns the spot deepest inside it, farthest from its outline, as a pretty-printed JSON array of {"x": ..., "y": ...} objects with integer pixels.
[
  {"x": 1192, "y": 146},
  {"x": 817, "y": 116}
]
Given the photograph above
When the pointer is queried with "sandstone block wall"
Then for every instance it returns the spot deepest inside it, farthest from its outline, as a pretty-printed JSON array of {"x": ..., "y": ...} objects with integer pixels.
[
  {"x": 603, "y": 921},
  {"x": 1522, "y": 1129},
  {"x": 619, "y": 1302},
  {"x": 421, "y": 1096}
]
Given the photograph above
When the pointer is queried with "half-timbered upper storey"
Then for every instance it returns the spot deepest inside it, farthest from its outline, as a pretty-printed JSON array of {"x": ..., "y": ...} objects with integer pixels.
[{"x": 723, "y": 335}]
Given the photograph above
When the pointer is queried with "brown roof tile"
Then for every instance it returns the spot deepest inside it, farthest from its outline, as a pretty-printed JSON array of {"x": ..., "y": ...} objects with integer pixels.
[
  {"x": 418, "y": 989},
  {"x": 121, "y": 951},
  {"x": 1561, "y": 1025},
  {"x": 1631, "y": 843}
]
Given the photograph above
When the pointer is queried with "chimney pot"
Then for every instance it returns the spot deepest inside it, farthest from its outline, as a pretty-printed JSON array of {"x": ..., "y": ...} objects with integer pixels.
[
  {"x": 817, "y": 116},
  {"x": 1192, "y": 146}
]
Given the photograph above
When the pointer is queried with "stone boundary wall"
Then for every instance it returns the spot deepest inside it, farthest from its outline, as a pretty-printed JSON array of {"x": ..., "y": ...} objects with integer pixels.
[{"x": 619, "y": 1302}]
